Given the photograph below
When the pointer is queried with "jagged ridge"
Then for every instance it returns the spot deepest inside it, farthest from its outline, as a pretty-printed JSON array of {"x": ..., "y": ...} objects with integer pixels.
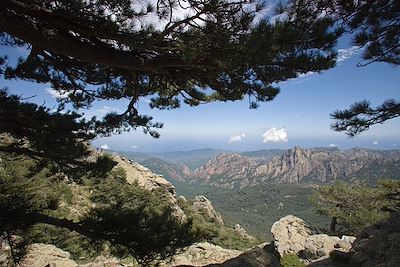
[{"x": 233, "y": 170}]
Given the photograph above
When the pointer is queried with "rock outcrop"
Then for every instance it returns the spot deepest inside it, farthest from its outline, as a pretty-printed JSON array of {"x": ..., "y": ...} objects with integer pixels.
[
  {"x": 40, "y": 255},
  {"x": 377, "y": 245},
  {"x": 293, "y": 236},
  {"x": 44, "y": 255},
  {"x": 203, "y": 206},
  {"x": 146, "y": 178},
  {"x": 207, "y": 255},
  {"x": 201, "y": 254},
  {"x": 143, "y": 176},
  {"x": 290, "y": 235},
  {"x": 256, "y": 257},
  {"x": 320, "y": 246}
]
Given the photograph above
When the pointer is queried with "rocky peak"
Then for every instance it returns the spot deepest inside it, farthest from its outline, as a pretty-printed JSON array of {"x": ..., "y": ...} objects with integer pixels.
[{"x": 232, "y": 170}]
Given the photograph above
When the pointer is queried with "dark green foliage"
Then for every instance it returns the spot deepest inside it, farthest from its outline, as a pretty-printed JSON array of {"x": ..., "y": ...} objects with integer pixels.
[
  {"x": 42, "y": 133},
  {"x": 380, "y": 168},
  {"x": 354, "y": 207},
  {"x": 140, "y": 223},
  {"x": 360, "y": 116},
  {"x": 19, "y": 197},
  {"x": 103, "y": 213},
  {"x": 377, "y": 27},
  {"x": 109, "y": 51},
  {"x": 82, "y": 249},
  {"x": 56, "y": 141},
  {"x": 214, "y": 232},
  {"x": 375, "y": 24},
  {"x": 257, "y": 208}
]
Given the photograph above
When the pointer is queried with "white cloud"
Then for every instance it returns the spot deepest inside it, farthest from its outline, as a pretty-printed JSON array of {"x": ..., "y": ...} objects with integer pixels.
[
  {"x": 344, "y": 54},
  {"x": 237, "y": 138},
  {"x": 332, "y": 145},
  {"x": 394, "y": 144},
  {"x": 135, "y": 146},
  {"x": 104, "y": 146},
  {"x": 375, "y": 142},
  {"x": 274, "y": 135},
  {"x": 56, "y": 94}
]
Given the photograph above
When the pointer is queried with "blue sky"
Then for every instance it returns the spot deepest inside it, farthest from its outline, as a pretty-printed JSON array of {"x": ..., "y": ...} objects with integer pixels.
[{"x": 298, "y": 116}]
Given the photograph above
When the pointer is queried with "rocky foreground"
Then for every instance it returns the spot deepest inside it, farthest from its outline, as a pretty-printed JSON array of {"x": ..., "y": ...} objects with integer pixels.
[{"x": 376, "y": 246}]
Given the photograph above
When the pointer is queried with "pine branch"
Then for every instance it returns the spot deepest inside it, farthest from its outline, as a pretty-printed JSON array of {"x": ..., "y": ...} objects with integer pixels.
[{"x": 361, "y": 116}]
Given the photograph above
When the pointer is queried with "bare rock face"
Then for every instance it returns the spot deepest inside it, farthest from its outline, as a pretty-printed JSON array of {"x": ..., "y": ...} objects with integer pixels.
[
  {"x": 292, "y": 236},
  {"x": 231, "y": 170},
  {"x": 208, "y": 255},
  {"x": 40, "y": 255},
  {"x": 44, "y": 255},
  {"x": 201, "y": 254},
  {"x": 203, "y": 206},
  {"x": 321, "y": 165},
  {"x": 320, "y": 246},
  {"x": 256, "y": 257},
  {"x": 289, "y": 235},
  {"x": 378, "y": 245},
  {"x": 226, "y": 170}
]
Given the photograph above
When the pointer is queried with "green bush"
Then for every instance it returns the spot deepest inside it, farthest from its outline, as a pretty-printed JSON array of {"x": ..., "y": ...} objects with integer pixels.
[
  {"x": 291, "y": 260},
  {"x": 98, "y": 213},
  {"x": 354, "y": 207}
]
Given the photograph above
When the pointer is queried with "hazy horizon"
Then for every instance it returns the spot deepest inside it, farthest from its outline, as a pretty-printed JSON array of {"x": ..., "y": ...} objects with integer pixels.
[{"x": 373, "y": 147}]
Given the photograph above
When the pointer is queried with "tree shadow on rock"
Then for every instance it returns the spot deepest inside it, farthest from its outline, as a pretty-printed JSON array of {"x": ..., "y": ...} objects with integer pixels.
[{"x": 256, "y": 257}]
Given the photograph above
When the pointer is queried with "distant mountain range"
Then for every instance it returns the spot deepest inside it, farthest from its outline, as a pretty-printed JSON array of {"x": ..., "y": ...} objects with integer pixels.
[
  {"x": 297, "y": 165},
  {"x": 192, "y": 159}
]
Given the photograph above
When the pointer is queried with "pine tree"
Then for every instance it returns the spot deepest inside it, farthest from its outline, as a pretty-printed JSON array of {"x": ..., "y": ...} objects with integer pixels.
[
  {"x": 119, "y": 49},
  {"x": 375, "y": 28},
  {"x": 122, "y": 219},
  {"x": 111, "y": 50},
  {"x": 374, "y": 25},
  {"x": 354, "y": 207}
]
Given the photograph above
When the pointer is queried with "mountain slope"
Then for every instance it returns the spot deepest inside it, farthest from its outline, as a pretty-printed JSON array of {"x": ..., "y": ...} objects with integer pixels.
[
  {"x": 297, "y": 165},
  {"x": 192, "y": 159}
]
